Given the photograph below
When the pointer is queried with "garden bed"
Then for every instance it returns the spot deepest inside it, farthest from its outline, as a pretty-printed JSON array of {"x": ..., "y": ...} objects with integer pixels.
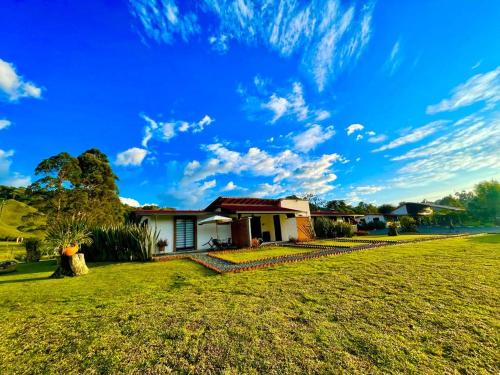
[{"x": 250, "y": 255}]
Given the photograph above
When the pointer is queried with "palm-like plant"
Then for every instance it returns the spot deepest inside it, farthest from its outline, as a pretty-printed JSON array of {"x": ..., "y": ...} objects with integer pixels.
[{"x": 68, "y": 232}]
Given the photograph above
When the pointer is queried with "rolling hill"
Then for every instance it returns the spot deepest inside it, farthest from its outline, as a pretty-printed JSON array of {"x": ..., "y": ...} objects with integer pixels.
[{"x": 17, "y": 219}]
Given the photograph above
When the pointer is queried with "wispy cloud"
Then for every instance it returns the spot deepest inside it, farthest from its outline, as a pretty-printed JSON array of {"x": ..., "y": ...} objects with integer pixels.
[
  {"x": 13, "y": 86},
  {"x": 376, "y": 138},
  {"x": 132, "y": 157},
  {"x": 162, "y": 20},
  {"x": 328, "y": 35},
  {"x": 395, "y": 58},
  {"x": 312, "y": 137},
  {"x": 479, "y": 88},
  {"x": 7, "y": 177},
  {"x": 289, "y": 103},
  {"x": 469, "y": 147},
  {"x": 415, "y": 135},
  {"x": 284, "y": 171},
  {"x": 354, "y": 128},
  {"x": 4, "y": 124},
  {"x": 167, "y": 130}
]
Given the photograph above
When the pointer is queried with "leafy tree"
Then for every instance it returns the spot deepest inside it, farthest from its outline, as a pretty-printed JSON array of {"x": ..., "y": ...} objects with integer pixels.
[
  {"x": 52, "y": 193},
  {"x": 84, "y": 186},
  {"x": 486, "y": 202},
  {"x": 340, "y": 206},
  {"x": 98, "y": 182},
  {"x": 385, "y": 209}
]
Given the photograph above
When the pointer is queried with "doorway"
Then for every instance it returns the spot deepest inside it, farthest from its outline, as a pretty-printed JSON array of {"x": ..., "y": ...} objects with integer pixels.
[
  {"x": 277, "y": 227},
  {"x": 256, "y": 227}
]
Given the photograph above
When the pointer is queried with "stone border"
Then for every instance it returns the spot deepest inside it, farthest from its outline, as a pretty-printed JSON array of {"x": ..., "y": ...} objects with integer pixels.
[
  {"x": 221, "y": 266},
  {"x": 215, "y": 255}
]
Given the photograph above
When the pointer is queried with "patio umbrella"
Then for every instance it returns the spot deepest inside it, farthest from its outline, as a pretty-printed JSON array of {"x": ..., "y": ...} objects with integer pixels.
[{"x": 217, "y": 219}]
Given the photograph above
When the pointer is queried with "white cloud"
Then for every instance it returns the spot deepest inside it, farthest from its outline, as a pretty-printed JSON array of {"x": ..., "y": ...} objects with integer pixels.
[
  {"x": 277, "y": 105},
  {"x": 468, "y": 148},
  {"x": 359, "y": 137},
  {"x": 414, "y": 136},
  {"x": 168, "y": 130},
  {"x": 394, "y": 60},
  {"x": 313, "y": 136},
  {"x": 130, "y": 202},
  {"x": 354, "y": 128},
  {"x": 230, "y": 186},
  {"x": 5, "y": 160},
  {"x": 131, "y": 157},
  {"x": 377, "y": 138},
  {"x": 219, "y": 43},
  {"x": 479, "y": 88},
  {"x": 282, "y": 103},
  {"x": 6, "y": 176},
  {"x": 370, "y": 133},
  {"x": 13, "y": 86},
  {"x": 286, "y": 171},
  {"x": 328, "y": 36},
  {"x": 368, "y": 189},
  {"x": 4, "y": 124},
  {"x": 162, "y": 21}
]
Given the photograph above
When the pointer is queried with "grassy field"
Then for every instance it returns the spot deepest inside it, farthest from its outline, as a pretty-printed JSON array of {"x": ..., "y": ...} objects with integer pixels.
[
  {"x": 335, "y": 243},
  {"x": 260, "y": 253},
  {"x": 400, "y": 237},
  {"x": 12, "y": 220},
  {"x": 431, "y": 307},
  {"x": 11, "y": 250}
]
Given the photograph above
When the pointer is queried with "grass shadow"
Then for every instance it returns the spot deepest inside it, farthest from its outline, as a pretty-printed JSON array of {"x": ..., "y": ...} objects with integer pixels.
[{"x": 490, "y": 238}]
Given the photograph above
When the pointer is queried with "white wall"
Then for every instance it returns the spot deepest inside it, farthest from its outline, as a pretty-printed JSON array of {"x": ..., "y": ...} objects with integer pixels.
[
  {"x": 165, "y": 225},
  {"x": 289, "y": 228},
  {"x": 369, "y": 218},
  {"x": 207, "y": 231},
  {"x": 301, "y": 205}
]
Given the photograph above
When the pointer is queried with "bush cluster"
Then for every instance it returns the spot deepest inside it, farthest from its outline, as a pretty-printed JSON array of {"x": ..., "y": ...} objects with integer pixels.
[
  {"x": 407, "y": 224},
  {"x": 372, "y": 225},
  {"x": 326, "y": 228},
  {"x": 123, "y": 242}
]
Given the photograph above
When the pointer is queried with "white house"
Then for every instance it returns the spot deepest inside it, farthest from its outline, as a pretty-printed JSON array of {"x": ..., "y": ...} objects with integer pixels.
[{"x": 267, "y": 219}]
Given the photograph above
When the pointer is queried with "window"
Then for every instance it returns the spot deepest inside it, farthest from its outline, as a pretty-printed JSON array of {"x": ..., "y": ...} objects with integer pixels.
[{"x": 184, "y": 233}]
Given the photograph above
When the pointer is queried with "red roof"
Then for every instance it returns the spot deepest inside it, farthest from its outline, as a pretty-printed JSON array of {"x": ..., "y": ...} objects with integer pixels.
[
  {"x": 245, "y": 201},
  {"x": 331, "y": 213},
  {"x": 235, "y": 208},
  {"x": 169, "y": 212}
]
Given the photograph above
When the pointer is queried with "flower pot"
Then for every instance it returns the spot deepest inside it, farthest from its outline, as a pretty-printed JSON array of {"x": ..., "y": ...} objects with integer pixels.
[{"x": 70, "y": 250}]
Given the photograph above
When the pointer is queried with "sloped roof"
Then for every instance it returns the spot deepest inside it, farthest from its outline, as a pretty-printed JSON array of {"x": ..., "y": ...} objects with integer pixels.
[
  {"x": 332, "y": 213},
  {"x": 250, "y": 208},
  {"x": 243, "y": 201}
]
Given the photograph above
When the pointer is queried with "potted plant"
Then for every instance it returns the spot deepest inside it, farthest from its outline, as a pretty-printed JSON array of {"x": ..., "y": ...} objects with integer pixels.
[
  {"x": 65, "y": 237},
  {"x": 162, "y": 244}
]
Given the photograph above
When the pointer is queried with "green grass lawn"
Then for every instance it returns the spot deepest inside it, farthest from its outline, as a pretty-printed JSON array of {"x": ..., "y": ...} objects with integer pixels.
[
  {"x": 400, "y": 237},
  {"x": 260, "y": 253},
  {"x": 335, "y": 243},
  {"x": 11, "y": 250},
  {"x": 431, "y": 307}
]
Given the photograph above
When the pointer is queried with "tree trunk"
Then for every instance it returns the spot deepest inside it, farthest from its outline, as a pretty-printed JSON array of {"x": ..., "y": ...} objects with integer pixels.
[{"x": 71, "y": 266}]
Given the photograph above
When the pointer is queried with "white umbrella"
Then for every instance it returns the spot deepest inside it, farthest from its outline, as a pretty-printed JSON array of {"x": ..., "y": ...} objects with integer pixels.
[{"x": 217, "y": 219}]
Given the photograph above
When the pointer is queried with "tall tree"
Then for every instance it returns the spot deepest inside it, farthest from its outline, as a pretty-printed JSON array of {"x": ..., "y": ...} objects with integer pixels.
[
  {"x": 386, "y": 209},
  {"x": 98, "y": 182},
  {"x": 53, "y": 192},
  {"x": 486, "y": 203}
]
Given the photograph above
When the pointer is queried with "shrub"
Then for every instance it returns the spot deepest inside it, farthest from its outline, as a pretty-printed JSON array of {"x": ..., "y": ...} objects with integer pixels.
[
  {"x": 408, "y": 224},
  {"x": 372, "y": 225},
  {"x": 121, "y": 243},
  {"x": 33, "y": 249},
  {"x": 68, "y": 232},
  {"x": 393, "y": 228},
  {"x": 326, "y": 228}
]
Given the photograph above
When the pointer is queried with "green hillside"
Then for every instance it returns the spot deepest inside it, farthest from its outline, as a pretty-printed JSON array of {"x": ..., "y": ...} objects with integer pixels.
[{"x": 17, "y": 219}]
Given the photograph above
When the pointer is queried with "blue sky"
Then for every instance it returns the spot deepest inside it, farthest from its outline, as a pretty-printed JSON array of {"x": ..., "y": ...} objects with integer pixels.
[{"x": 374, "y": 101}]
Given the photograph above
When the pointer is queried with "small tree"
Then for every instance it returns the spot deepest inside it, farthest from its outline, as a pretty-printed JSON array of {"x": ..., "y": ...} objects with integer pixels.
[{"x": 408, "y": 224}]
